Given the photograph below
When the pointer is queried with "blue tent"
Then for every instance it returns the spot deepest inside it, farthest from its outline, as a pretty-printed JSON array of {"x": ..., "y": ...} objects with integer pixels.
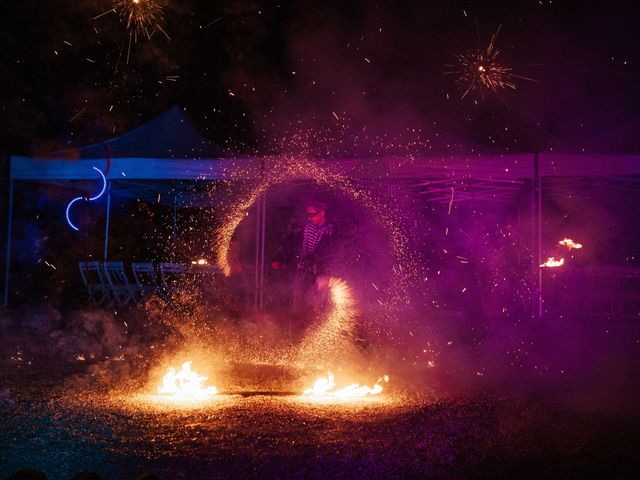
[
  {"x": 157, "y": 161},
  {"x": 168, "y": 147}
]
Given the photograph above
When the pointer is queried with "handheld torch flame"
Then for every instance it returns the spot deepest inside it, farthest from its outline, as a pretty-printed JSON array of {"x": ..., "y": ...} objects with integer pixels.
[
  {"x": 185, "y": 384},
  {"x": 340, "y": 292},
  {"x": 324, "y": 387}
]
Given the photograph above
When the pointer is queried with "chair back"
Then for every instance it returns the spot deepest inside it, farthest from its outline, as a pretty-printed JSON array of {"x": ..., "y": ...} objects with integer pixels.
[
  {"x": 169, "y": 271},
  {"x": 115, "y": 274},
  {"x": 144, "y": 274},
  {"x": 122, "y": 290},
  {"x": 95, "y": 282},
  {"x": 91, "y": 273}
]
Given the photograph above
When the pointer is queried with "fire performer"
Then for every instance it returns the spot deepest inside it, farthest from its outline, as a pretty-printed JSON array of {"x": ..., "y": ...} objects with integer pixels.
[{"x": 309, "y": 257}]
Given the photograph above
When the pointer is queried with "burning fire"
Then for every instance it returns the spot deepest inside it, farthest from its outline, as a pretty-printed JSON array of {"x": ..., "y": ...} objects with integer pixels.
[
  {"x": 185, "y": 384},
  {"x": 324, "y": 387},
  {"x": 200, "y": 261},
  {"x": 559, "y": 261},
  {"x": 567, "y": 242},
  {"x": 553, "y": 262}
]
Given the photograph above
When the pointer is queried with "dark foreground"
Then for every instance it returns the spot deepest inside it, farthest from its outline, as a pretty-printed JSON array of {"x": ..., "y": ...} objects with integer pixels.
[{"x": 63, "y": 432}]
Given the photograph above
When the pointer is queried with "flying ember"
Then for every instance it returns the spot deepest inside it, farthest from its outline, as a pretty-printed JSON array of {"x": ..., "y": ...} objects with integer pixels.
[
  {"x": 185, "y": 384},
  {"x": 325, "y": 387}
]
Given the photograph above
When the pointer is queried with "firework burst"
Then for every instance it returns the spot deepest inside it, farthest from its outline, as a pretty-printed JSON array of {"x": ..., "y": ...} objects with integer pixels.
[
  {"x": 480, "y": 70},
  {"x": 143, "y": 17}
]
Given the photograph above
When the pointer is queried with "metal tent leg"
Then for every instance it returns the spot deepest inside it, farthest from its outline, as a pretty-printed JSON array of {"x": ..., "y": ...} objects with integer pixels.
[
  {"x": 7, "y": 267},
  {"x": 106, "y": 230},
  {"x": 536, "y": 220}
]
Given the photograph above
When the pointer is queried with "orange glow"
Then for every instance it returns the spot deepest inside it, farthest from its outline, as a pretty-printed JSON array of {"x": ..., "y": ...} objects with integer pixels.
[
  {"x": 185, "y": 384},
  {"x": 340, "y": 292},
  {"x": 567, "y": 242},
  {"x": 553, "y": 262},
  {"x": 325, "y": 388}
]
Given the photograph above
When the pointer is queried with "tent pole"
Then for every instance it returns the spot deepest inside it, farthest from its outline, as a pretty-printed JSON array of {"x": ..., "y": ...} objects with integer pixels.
[
  {"x": 175, "y": 215},
  {"x": 536, "y": 221},
  {"x": 8, "y": 258},
  {"x": 264, "y": 226},
  {"x": 257, "y": 263},
  {"x": 106, "y": 230},
  {"x": 539, "y": 261}
]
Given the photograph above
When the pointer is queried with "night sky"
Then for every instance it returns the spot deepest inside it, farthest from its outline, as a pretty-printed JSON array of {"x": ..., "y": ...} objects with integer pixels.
[{"x": 253, "y": 73}]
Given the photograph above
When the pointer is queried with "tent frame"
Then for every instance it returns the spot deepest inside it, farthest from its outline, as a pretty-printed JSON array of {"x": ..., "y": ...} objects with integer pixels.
[{"x": 492, "y": 178}]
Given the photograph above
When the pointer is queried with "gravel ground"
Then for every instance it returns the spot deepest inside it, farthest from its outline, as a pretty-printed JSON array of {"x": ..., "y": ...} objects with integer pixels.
[{"x": 402, "y": 435}]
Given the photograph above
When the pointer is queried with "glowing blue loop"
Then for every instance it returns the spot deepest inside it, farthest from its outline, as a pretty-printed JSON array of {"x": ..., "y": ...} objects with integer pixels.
[
  {"x": 67, "y": 213},
  {"x": 104, "y": 187}
]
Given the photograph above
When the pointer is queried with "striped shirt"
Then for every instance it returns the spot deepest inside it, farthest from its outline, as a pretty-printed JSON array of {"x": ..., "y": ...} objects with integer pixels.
[{"x": 312, "y": 236}]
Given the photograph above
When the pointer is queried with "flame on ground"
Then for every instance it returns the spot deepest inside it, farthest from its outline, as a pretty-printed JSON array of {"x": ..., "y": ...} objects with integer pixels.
[
  {"x": 185, "y": 384},
  {"x": 325, "y": 388}
]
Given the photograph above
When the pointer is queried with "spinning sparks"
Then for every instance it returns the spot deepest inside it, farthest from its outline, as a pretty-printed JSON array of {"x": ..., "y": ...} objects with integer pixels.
[
  {"x": 481, "y": 70},
  {"x": 185, "y": 384},
  {"x": 333, "y": 335},
  {"x": 324, "y": 387},
  {"x": 284, "y": 169}
]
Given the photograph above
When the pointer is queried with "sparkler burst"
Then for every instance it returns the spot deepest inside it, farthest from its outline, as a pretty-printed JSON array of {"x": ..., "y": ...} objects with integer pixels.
[{"x": 481, "y": 71}]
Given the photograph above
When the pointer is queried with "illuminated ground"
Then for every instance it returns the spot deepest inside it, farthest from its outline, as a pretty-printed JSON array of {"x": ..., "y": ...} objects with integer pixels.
[{"x": 277, "y": 436}]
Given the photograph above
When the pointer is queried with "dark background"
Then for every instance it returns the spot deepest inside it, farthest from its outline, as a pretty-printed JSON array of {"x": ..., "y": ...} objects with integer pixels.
[
  {"x": 249, "y": 71},
  {"x": 346, "y": 77}
]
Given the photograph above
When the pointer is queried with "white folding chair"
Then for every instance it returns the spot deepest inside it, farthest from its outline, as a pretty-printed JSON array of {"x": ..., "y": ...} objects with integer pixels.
[
  {"x": 170, "y": 275},
  {"x": 122, "y": 290},
  {"x": 145, "y": 277},
  {"x": 94, "y": 281}
]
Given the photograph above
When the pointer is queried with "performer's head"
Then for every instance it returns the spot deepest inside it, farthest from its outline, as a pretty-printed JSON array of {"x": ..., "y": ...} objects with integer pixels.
[{"x": 315, "y": 210}]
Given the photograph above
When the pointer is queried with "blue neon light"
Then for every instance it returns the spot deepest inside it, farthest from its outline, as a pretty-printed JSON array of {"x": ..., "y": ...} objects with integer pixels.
[
  {"x": 104, "y": 185},
  {"x": 77, "y": 199},
  {"x": 67, "y": 213}
]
